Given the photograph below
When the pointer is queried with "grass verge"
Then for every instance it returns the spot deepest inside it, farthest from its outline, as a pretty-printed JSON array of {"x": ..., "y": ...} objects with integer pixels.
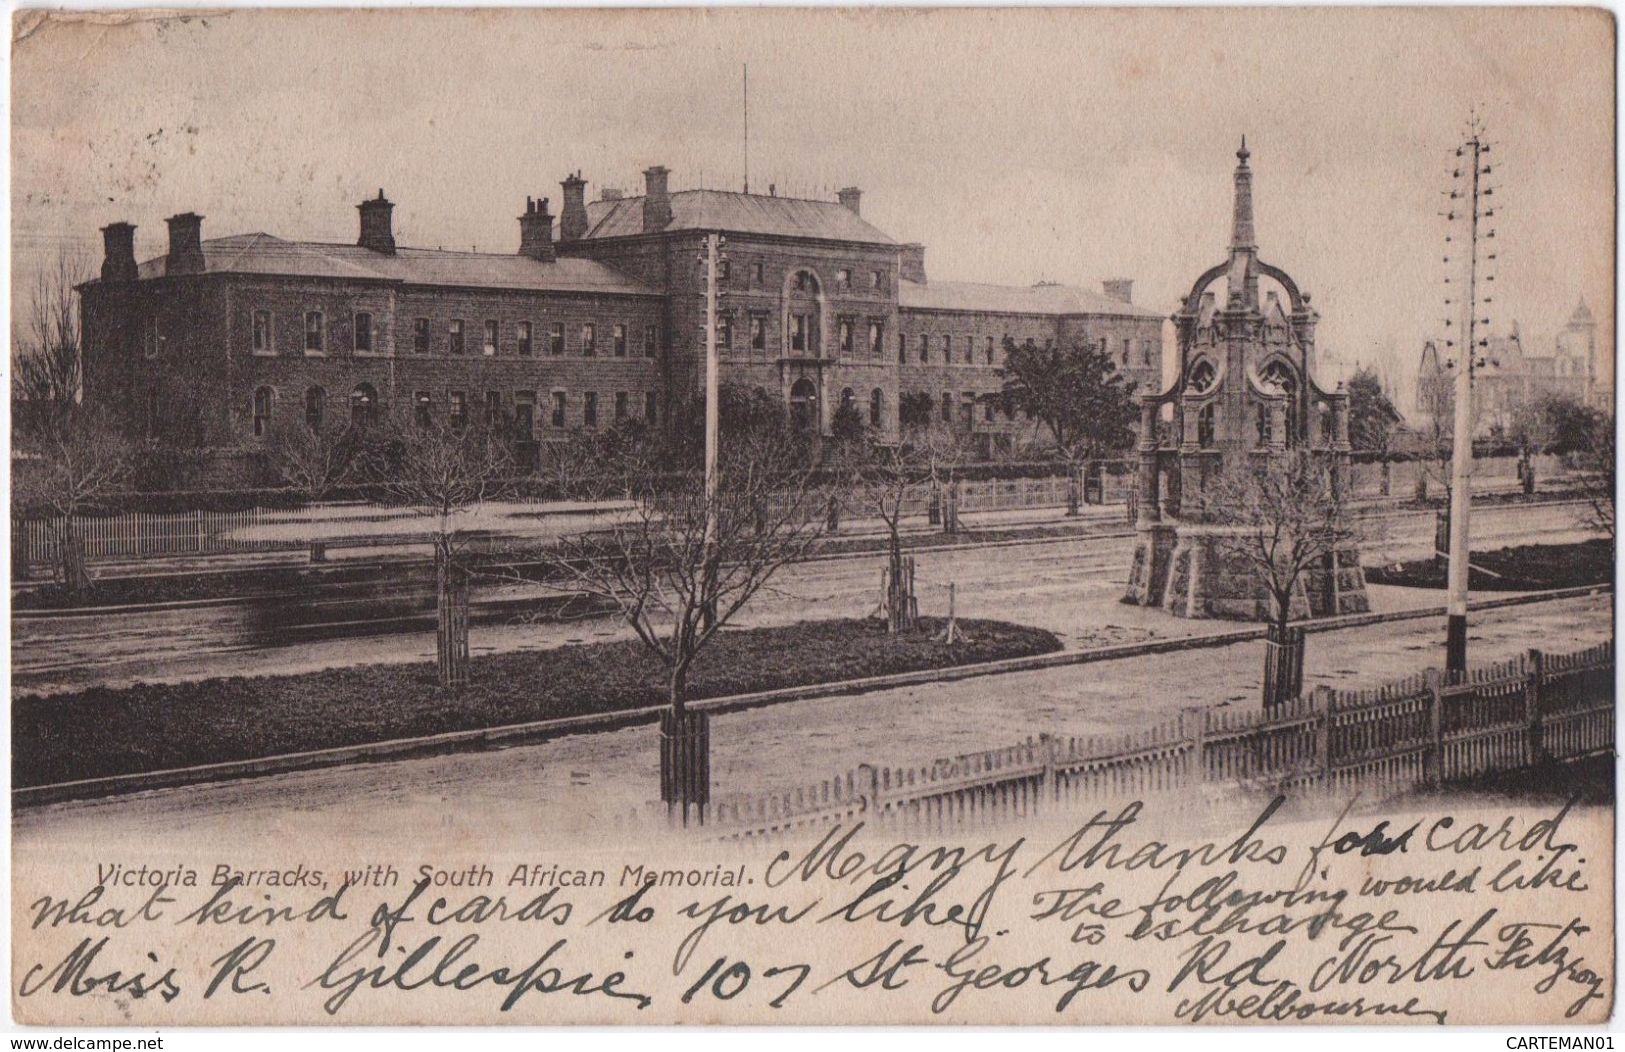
[
  {"x": 152, "y": 727},
  {"x": 1525, "y": 568}
]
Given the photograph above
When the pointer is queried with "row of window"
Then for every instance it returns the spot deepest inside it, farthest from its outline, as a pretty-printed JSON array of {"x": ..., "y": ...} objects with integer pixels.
[
  {"x": 964, "y": 349},
  {"x": 495, "y": 338},
  {"x": 755, "y": 276},
  {"x": 804, "y": 333},
  {"x": 363, "y": 409}
]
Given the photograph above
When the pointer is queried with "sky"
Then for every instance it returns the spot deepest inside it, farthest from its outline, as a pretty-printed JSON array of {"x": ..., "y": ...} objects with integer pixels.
[{"x": 1019, "y": 144}]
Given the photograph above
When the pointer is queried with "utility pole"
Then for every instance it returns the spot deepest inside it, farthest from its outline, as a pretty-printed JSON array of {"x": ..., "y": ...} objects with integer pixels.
[
  {"x": 713, "y": 253},
  {"x": 1467, "y": 204}
]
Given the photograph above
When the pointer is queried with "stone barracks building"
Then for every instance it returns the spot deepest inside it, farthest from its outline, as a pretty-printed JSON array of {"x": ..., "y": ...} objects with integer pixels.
[{"x": 595, "y": 319}]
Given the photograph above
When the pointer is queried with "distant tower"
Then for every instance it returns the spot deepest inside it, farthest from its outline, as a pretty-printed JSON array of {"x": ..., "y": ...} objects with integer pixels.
[
  {"x": 1246, "y": 387},
  {"x": 1578, "y": 341}
]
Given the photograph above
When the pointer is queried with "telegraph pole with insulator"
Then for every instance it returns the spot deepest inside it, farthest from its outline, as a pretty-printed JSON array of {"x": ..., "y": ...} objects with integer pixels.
[{"x": 1468, "y": 211}]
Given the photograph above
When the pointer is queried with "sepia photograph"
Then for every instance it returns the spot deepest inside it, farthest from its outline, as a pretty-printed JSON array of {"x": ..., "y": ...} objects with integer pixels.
[{"x": 812, "y": 517}]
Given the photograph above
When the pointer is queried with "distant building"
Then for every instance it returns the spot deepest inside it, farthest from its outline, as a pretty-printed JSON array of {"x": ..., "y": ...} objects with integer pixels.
[
  {"x": 1512, "y": 375},
  {"x": 596, "y": 319}
]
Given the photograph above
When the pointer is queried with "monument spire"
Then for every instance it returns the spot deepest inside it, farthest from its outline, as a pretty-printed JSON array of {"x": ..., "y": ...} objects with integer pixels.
[{"x": 1242, "y": 238}]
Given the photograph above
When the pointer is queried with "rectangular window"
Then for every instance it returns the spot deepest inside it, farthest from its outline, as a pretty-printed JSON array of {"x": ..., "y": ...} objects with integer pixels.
[
  {"x": 651, "y": 406},
  {"x": 521, "y": 331},
  {"x": 947, "y": 408},
  {"x": 262, "y": 412},
  {"x": 651, "y": 340},
  {"x": 315, "y": 332},
  {"x": 619, "y": 335},
  {"x": 925, "y": 347},
  {"x": 555, "y": 338},
  {"x": 420, "y": 335},
  {"x": 489, "y": 347},
  {"x": 758, "y": 274},
  {"x": 843, "y": 278},
  {"x": 798, "y": 332},
  {"x": 843, "y": 329},
  {"x": 422, "y": 407},
  {"x": 970, "y": 350},
  {"x": 990, "y": 350},
  {"x": 454, "y": 342},
  {"x": 493, "y": 409},
  {"x": 363, "y": 332},
  {"x": 947, "y": 349},
  {"x": 459, "y": 410},
  {"x": 987, "y": 410},
  {"x": 589, "y": 409},
  {"x": 589, "y": 339},
  {"x": 967, "y": 408},
  {"x": 725, "y": 332},
  {"x": 622, "y": 401},
  {"x": 524, "y": 415},
  {"x": 724, "y": 270},
  {"x": 1126, "y": 343},
  {"x": 558, "y": 408},
  {"x": 758, "y": 332},
  {"x": 877, "y": 279},
  {"x": 262, "y": 332},
  {"x": 877, "y": 338},
  {"x": 902, "y": 347}
]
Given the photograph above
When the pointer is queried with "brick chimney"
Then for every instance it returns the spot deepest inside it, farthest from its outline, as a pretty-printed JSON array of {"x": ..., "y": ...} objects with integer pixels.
[
  {"x": 1119, "y": 289},
  {"x": 185, "y": 244},
  {"x": 377, "y": 225},
  {"x": 656, "y": 200},
  {"x": 573, "y": 220},
  {"x": 911, "y": 265},
  {"x": 849, "y": 198},
  {"x": 536, "y": 232},
  {"x": 610, "y": 194},
  {"x": 118, "y": 256}
]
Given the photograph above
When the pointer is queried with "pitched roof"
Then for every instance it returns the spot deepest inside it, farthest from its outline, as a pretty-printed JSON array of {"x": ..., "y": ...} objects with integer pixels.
[
  {"x": 740, "y": 213},
  {"x": 1014, "y": 299},
  {"x": 1581, "y": 315},
  {"x": 264, "y": 254}
]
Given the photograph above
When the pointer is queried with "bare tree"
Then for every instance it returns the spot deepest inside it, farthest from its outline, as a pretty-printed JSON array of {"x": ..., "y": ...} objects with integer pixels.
[
  {"x": 46, "y": 376},
  {"x": 65, "y": 470},
  {"x": 675, "y": 553},
  {"x": 316, "y": 460},
  {"x": 885, "y": 479},
  {"x": 1595, "y": 460},
  {"x": 941, "y": 452},
  {"x": 1281, "y": 519},
  {"x": 445, "y": 471},
  {"x": 67, "y": 458}
]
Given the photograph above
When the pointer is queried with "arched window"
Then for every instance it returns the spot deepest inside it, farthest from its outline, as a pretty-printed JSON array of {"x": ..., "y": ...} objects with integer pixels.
[
  {"x": 262, "y": 412},
  {"x": 1204, "y": 426},
  {"x": 363, "y": 405},
  {"x": 848, "y": 399},
  {"x": 1202, "y": 377},
  {"x": 1263, "y": 422},
  {"x": 877, "y": 408},
  {"x": 315, "y": 408},
  {"x": 1280, "y": 377}
]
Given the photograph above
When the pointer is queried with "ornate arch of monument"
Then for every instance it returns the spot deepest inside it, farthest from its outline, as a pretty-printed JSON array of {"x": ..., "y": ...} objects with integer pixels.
[{"x": 1245, "y": 389}]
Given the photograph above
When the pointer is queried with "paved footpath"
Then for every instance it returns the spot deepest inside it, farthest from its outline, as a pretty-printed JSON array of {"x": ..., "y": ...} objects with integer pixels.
[{"x": 536, "y": 790}]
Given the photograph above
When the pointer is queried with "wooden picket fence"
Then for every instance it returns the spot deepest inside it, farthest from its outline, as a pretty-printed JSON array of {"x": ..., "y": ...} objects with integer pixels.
[
  {"x": 1421, "y": 730},
  {"x": 139, "y": 534}
]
